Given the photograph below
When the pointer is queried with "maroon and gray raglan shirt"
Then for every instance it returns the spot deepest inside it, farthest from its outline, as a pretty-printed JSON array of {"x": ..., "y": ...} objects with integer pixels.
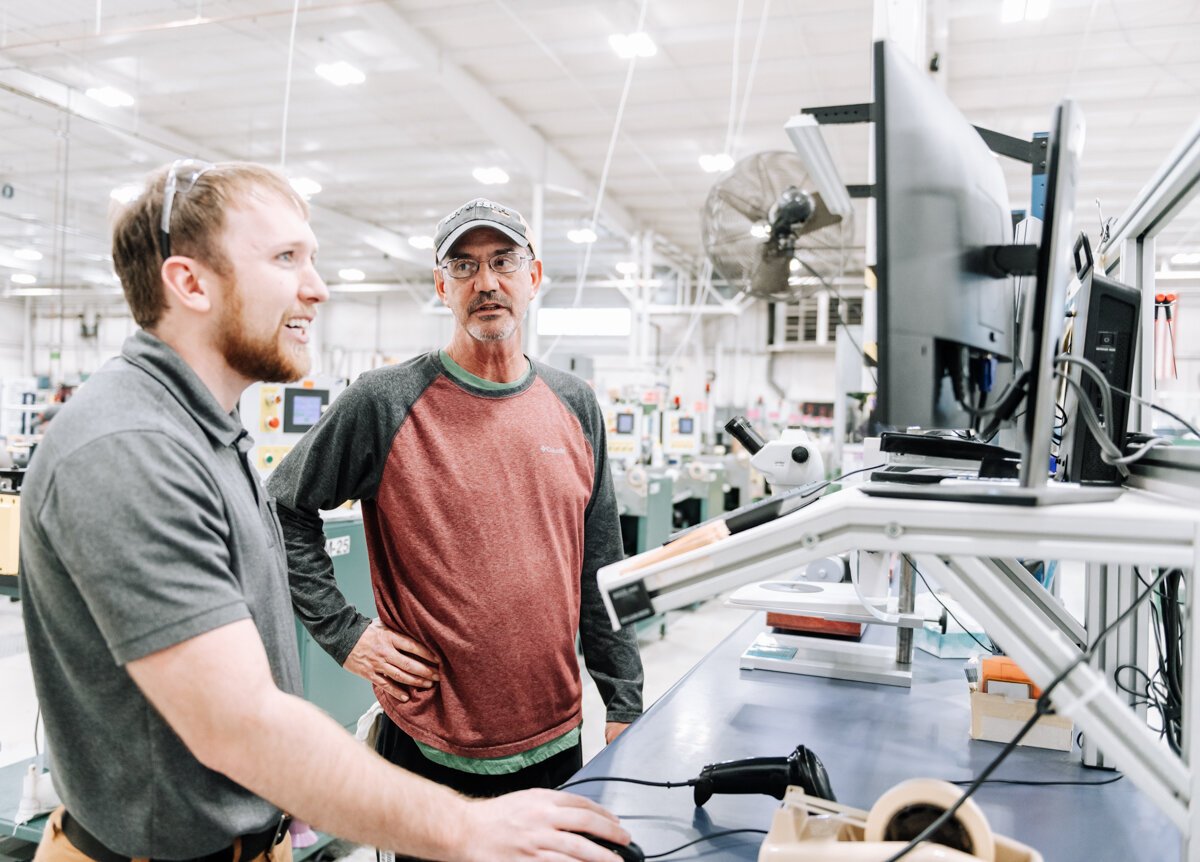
[{"x": 487, "y": 515}]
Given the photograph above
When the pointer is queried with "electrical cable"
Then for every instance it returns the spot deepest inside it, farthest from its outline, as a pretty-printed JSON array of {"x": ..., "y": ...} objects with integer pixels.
[
  {"x": 720, "y": 834},
  {"x": 1191, "y": 428},
  {"x": 1023, "y": 783},
  {"x": 825, "y": 283},
  {"x": 854, "y": 472},
  {"x": 287, "y": 86},
  {"x": 991, "y": 649},
  {"x": 691, "y": 782},
  {"x": 1042, "y": 707},
  {"x": 1110, "y": 453},
  {"x": 603, "y": 184}
]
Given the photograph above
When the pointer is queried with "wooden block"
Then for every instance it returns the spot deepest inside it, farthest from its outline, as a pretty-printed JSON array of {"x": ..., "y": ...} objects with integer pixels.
[{"x": 813, "y": 625}]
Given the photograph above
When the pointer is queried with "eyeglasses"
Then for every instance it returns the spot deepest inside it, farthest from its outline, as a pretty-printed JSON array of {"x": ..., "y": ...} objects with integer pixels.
[
  {"x": 180, "y": 179},
  {"x": 505, "y": 263}
]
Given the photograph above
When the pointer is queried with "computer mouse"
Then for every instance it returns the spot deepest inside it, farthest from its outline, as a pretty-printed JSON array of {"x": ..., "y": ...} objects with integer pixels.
[{"x": 628, "y": 852}]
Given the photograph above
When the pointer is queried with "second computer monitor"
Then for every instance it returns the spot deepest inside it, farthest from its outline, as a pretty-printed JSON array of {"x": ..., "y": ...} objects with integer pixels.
[{"x": 941, "y": 199}]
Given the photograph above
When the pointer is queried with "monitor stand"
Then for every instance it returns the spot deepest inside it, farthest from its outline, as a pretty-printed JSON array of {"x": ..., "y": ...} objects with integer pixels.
[{"x": 1003, "y": 492}]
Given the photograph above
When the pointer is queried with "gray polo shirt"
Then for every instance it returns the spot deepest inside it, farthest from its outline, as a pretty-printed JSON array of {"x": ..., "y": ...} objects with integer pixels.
[{"x": 144, "y": 525}]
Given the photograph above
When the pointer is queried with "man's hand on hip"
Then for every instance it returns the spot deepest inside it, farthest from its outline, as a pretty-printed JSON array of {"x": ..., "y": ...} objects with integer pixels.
[{"x": 392, "y": 661}]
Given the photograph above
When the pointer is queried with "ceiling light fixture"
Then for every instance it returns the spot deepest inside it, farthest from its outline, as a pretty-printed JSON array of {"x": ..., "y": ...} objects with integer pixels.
[
  {"x": 421, "y": 242},
  {"x": 305, "y": 186},
  {"x": 351, "y": 274},
  {"x": 630, "y": 45},
  {"x": 628, "y": 267},
  {"x": 23, "y": 278},
  {"x": 492, "y": 176},
  {"x": 716, "y": 163},
  {"x": 1185, "y": 258},
  {"x": 582, "y": 235},
  {"x": 27, "y": 254},
  {"x": 341, "y": 73},
  {"x": 110, "y": 96}
]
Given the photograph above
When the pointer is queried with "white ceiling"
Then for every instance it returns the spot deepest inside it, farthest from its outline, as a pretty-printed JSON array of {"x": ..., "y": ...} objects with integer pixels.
[{"x": 532, "y": 86}]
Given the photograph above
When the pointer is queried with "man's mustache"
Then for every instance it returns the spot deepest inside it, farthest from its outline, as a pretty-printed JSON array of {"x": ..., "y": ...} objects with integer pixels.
[{"x": 490, "y": 298}]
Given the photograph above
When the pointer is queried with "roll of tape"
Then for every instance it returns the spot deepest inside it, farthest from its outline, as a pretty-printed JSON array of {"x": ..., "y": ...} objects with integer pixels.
[{"x": 909, "y": 797}]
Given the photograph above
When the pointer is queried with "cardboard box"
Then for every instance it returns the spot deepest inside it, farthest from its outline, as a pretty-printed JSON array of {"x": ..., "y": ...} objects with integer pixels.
[{"x": 997, "y": 718}]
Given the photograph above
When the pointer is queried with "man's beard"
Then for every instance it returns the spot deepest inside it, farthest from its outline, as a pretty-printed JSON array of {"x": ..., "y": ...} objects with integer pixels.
[
  {"x": 484, "y": 330},
  {"x": 256, "y": 358}
]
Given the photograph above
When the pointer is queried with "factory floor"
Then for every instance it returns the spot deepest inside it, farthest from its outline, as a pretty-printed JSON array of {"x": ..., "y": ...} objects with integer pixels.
[{"x": 668, "y": 651}]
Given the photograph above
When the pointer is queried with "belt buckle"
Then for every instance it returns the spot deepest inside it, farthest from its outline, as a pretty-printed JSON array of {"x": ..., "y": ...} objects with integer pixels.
[{"x": 285, "y": 821}]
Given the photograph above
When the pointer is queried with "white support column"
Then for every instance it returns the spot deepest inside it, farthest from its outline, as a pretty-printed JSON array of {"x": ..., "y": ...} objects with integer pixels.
[
  {"x": 537, "y": 223},
  {"x": 645, "y": 259},
  {"x": 1137, "y": 270},
  {"x": 27, "y": 341}
]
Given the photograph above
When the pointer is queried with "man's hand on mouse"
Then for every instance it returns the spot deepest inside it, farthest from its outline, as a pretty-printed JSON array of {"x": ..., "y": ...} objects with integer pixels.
[
  {"x": 394, "y": 662},
  {"x": 538, "y": 824}
]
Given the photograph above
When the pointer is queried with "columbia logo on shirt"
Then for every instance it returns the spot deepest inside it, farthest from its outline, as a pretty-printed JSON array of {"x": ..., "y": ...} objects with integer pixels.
[{"x": 554, "y": 450}]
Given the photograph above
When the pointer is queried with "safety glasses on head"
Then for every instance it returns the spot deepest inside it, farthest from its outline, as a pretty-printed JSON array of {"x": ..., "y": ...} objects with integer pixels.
[{"x": 181, "y": 178}]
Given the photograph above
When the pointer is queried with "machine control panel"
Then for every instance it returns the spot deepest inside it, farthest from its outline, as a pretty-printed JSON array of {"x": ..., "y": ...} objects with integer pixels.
[
  {"x": 278, "y": 415},
  {"x": 681, "y": 434},
  {"x": 624, "y": 433}
]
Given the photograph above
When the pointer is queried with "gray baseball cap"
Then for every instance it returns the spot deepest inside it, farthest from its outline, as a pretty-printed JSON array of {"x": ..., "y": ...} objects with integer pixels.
[{"x": 480, "y": 212}]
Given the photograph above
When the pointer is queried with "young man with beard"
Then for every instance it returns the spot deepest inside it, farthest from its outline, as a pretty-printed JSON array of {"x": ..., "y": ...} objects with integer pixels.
[
  {"x": 154, "y": 580},
  {"x": 488, "y": 508}
]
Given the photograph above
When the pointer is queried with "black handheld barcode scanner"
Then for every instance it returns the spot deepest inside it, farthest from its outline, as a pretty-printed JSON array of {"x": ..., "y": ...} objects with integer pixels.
[{"x": 768, "y": 775}]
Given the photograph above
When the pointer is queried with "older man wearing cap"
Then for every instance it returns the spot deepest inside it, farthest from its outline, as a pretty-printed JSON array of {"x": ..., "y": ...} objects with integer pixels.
[{"x": 488, "y": 507}]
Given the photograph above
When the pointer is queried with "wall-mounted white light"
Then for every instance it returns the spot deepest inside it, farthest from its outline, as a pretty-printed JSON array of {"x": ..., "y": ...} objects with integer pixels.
[
  {"x": 1185, "y": 258},
  {"x": 110, "y": 96},
  {"x": 716, "y": 163},
  {"x": 586, "y": 322},
  {"x": 351, "y": 274},
  {"x": 341, "y": 73},
  {"x": 492, "y": 176},
  {"x": 582, "y": 235},
  {"x": 805, "y": 135},
  {"x": 27, "y": 254},
  {"x": 760, "y": 230},
  {"x": 305, "y": 186},
  {"x": 421, "y": 242},
  {"x": 630, "y": 45}
]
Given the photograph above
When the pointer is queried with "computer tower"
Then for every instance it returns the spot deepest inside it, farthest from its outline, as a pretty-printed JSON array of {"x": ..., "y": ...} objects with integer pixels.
[{"x": 1107, "y": 315}]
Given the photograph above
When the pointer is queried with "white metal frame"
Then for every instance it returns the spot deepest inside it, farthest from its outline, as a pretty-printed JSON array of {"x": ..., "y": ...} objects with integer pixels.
[{"x": 964, "y": 546}]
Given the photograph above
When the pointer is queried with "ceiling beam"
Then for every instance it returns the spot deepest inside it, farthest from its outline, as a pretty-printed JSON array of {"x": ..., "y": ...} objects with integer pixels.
[
  {"x": 543, "y": 161},
  {"x": 125, "y": 123}
]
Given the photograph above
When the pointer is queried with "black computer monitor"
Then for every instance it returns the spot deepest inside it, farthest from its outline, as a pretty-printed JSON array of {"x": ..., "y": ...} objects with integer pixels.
[
  {"x": 943, "y": 322},
  {"x": 1045, "y": 318}
]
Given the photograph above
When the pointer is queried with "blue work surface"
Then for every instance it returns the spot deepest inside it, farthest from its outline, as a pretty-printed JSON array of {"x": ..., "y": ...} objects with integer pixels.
[{"x": 870, "y": 738}]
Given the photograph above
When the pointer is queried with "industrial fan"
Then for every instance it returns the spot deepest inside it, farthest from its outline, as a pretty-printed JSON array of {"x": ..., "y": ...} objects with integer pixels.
[{"x": 762, "y": 216}]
